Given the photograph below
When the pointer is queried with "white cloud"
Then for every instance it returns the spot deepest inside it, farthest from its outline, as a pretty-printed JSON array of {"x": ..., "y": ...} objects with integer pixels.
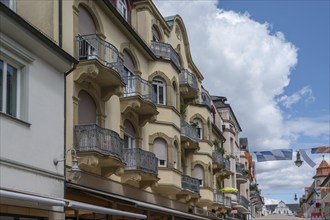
[
  {"x": 310, "y": 127},
  {"x": 305, "y": 93}
]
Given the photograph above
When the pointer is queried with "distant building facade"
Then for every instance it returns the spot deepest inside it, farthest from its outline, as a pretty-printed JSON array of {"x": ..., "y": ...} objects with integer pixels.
[{"x": 280, "y": 209}]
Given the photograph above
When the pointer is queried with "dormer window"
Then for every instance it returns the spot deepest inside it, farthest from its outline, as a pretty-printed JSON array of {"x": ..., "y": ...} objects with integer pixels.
[{"x": 122, "y": 8}]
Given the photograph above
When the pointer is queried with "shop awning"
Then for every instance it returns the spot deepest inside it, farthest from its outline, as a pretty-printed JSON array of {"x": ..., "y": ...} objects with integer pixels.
[
  {"x": 102, "y": 210},
  {"x": 31, "y": 198},
  {"x": 68, "y": 203},
  {"x": 140, "y": 204}
]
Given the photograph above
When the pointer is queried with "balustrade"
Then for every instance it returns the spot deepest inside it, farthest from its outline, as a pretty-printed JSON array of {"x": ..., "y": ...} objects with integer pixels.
[
  {"x": 164, "y": 50},
  {"x": 135, "y": 85},
  {"x": 190, "y": 183},
  {"x": 92, "y": 47},
  {"x": 138, "y": 159},
  {"x": 90, "y": 138}
]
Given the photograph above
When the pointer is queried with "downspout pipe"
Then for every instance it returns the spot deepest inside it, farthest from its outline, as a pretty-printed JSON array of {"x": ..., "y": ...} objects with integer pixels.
[{"x": 60, "y": 23}]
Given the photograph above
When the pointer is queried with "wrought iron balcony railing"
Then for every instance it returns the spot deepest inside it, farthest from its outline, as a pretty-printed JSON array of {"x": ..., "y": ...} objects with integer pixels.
[
  {"x": 135, "y": 85},
  {"x": 243, "y": 202},
  {"x": 164, "y": 50},
  {"x": 219, "y": 198},
  {"x": 92, "y": 138},
  {"x": 204, "y": 99},
  {"x": 228, "y": 202},
  {"x": 186, "y": 77},
  {"x": 227, "y": 164},
  {"x": 189, "y": 131},
  {"x": 217, "y": 157},
  {"x": 138, "y": 159},
  {"x": 190, "y": 183},
  {"x": 239, "y": 168},
  {"x": 92, "y": 47}
]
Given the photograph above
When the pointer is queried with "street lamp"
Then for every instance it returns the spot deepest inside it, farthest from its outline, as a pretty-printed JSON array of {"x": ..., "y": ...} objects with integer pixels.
[
  {"x": 298, "y": 161},
  {"x": 75, "y": 170}
]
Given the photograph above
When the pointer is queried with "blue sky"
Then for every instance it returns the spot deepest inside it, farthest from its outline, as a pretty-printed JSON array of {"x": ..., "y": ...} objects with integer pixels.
[{"x": 271, "y": 60}]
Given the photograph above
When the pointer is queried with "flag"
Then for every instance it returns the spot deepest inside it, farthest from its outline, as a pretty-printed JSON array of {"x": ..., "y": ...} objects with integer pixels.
[
  {"x": 320, "y": 150},
  {"x": 283, "y": 154},
  {"x": 307, "y": 158}
]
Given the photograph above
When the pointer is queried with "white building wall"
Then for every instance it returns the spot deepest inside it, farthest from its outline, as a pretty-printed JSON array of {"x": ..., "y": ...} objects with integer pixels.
[{"x": 27, "y": 149}]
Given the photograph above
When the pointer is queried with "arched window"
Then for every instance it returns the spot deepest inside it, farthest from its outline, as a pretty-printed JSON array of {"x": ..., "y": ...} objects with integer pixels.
[
  {"x": 199, "y": 127},
  {"x": 86, "y": 26},
  {"x": 174, "y": 94},
  {"x": 159, "y": 90},
  {"x": 155, "y": 34},
  {"x": 128, "y": 74},
  {"x": 86, "y": 109},
  {"x": 198, "y": 173},
  {"x": 86, "y": 23},
  {"x": 122, "y": 8},
  {"x": 160, "y": 150},
  {"x": 129, "y": 135},
  {"x": 175, "y": 155}
]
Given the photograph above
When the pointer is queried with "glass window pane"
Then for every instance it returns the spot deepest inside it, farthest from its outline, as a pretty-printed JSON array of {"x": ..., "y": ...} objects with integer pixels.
[
  {"x": 155, "y": 92},
  {"x": 11, "y": 98},
  {"x": 1, "y": 82},
  {"x": 6, "y": 3},
  {"x": 161, "y": 95}
]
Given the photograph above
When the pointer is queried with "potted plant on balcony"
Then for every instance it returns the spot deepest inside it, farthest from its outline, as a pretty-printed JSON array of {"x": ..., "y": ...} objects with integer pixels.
[
  {"x": 217, "y": 147},
  {"x": 183, "y": 110},
  {"x": 245, "y": 172},
  {"x": 229, "y": 156}
]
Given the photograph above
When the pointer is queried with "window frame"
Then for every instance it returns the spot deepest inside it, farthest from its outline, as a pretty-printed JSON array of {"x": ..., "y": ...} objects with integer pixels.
[
  {"x": 131, "y": 140},
  {"x": 20, "y": 57},
  {"x": 199, "y": 127},
  {"x": 11, "y": 5},
  {"x": 159, "y": 84},
  {"x": 122, "y": 8},
  {"x": 161, "y": 162}
]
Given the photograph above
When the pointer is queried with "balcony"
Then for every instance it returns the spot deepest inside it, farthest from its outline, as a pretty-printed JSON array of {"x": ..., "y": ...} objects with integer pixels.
[
  {"x": 219, "y": 199},
  {"x": 139, "y": 98},
  {"x": 225, "y": 171},
  {"x": 99, "y": 64},
  {"x": 243, "y": 205},
  {"x": 190, "y": 188},
  {"x": 165, "y": 51},
  {"x": 99, "y": 149},
  {"x": 204, "y": 99},
  {"x": 227, "y": 202},
  {"x": 190, "y": 183},
  {"x": 188, "y": 85},
  {"x": 141, "y": 168},
  {"x": 218, "y": 161},
  {"x": 189, "y": 136},
  {"x": 241, "y": 174}
]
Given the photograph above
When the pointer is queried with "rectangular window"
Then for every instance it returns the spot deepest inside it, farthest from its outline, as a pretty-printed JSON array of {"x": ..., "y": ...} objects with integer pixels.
[
  {"x": 10, "y": 85},
  {"x": 162, "y": 163}
]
